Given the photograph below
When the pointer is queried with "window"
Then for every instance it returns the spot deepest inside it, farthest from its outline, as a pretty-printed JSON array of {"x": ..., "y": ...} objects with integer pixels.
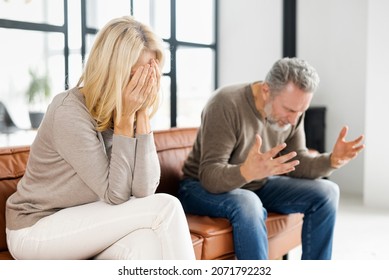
[
  {"x": 188, "y": 28},
  {"x": 34, "y": 39},
  {"x": 53, "y": 38}
]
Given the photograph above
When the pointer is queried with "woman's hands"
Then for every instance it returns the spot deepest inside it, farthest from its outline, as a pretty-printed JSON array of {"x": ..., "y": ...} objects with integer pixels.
[
  {"x": 138, "y": 96},
  {"x": 143, "y": 114},
  {"x": 154, "y": 84}
]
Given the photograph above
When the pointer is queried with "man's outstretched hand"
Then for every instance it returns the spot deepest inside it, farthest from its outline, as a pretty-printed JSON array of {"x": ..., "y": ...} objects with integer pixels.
[{"x": 345, "y": 151}]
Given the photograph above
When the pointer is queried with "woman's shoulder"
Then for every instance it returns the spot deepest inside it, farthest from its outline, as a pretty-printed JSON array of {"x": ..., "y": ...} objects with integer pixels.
[
  {"x": 69, "y": 97},
  {"x": 67, "y": 106},
  {"x": 70, "y": 100}
]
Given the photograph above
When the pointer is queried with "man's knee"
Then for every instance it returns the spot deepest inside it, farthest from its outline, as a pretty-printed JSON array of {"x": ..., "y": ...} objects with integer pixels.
[
  {"x": 246, "y": 204},
  {"x": 327, "y": 191}
]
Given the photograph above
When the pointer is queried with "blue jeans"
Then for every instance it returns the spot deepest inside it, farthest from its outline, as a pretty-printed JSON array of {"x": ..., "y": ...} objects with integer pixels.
[{"x": 247, "y": 212}]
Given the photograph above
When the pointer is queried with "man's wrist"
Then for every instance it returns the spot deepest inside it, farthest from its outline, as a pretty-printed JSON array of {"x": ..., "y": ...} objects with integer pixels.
[{"x": 334, "y": 162}]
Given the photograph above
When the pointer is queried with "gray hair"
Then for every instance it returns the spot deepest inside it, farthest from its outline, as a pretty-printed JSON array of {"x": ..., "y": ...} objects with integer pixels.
[{"x": 295, "y": 70}]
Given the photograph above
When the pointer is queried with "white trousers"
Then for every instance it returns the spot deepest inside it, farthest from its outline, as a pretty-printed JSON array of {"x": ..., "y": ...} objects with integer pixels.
[{"x": 147, "y": 228}]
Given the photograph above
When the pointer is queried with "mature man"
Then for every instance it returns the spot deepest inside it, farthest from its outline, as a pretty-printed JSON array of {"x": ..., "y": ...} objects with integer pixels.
[{"x": 250, "y": 157}]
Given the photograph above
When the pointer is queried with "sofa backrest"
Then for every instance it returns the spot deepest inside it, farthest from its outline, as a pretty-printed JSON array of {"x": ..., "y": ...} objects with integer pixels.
[
  {"x": 173, "y": 146},
  {"x": 13, "y": 163}
]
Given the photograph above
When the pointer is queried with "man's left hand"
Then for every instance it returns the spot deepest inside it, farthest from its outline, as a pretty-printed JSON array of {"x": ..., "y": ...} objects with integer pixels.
[{"x": 345, "y": 151}]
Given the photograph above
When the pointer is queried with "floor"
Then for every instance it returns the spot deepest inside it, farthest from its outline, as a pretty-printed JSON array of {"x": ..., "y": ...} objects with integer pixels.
[{"x": 361, "y": 233}]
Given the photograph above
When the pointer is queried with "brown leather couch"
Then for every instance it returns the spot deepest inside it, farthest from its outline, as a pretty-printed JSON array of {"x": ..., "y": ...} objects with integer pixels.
[{"x": 212, "y": 237}]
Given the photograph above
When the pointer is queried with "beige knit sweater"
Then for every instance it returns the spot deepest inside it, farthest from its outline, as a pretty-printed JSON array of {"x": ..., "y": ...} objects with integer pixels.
[{"x": 71, "y": 164}]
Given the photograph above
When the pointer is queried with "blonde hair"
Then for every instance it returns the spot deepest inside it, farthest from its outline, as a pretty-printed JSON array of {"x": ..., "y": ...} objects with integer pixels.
[{"x": 117, "y": 48}]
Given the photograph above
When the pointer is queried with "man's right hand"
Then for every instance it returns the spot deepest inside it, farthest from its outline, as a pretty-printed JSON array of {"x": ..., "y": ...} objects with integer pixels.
[{"x": 259, "y": 165}]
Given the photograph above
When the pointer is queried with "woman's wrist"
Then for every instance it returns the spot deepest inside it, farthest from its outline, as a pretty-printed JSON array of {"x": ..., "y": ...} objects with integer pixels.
[
  {"x": 125, "y": 126},
  {"x": 142, "y": 122}
]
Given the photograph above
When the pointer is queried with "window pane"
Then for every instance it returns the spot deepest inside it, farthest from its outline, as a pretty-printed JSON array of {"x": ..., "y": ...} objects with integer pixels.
[
  {"x": 195, "y": 83},
  {"x": 167, "y": 65},
  {"x": 161, "y": 119},
  {"x": 42, "y": 55},
  {"x": 74, "y": 24},
  {"x": 155, "y": 13},
  {"x": 90, "y": 38},
  {"x": 195, "y": 21},
  {"x": 38, "y": 11},
  {"x": 99, "y": 12},
  {"x": 75, "y": 69}
]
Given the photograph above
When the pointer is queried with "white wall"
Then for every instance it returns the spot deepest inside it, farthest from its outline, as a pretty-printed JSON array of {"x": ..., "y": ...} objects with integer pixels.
[
  {"x": 332, "y": 37},
  {"x": 376, "y": 183},
  {"x": 250, "y": 39}
]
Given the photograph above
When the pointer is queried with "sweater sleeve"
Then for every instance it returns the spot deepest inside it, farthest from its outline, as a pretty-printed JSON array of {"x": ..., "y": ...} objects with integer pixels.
[
  {"x": 216, "y": 173},
  {"x": 77, "y": 142},
  {"x": 146, "y": 168}
]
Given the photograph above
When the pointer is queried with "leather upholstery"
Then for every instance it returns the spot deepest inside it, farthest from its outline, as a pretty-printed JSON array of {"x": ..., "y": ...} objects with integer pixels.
[
  {"x": 12, "y": 166},
  {"x": 212, "y": 237}
]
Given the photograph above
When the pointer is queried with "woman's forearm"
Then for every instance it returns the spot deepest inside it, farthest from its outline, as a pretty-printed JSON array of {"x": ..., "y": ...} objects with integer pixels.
[
  {"x": 142, "y": 122},
  {"x": 125, "y": 127}
]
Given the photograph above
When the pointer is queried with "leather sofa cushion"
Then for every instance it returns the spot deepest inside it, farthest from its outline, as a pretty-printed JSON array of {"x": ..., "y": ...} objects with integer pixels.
[
  {"x": 197, "y": 245},
  {"x": 217, "y": 234},
  {"x": 12, "y": 166},
  {"x": 284, "y": 231}
]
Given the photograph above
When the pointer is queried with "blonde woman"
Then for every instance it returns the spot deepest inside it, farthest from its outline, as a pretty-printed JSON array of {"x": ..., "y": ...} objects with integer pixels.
[{"x": 88, "y": 190}]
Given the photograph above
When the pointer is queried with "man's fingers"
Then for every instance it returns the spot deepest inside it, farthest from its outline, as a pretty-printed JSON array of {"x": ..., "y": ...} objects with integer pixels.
[
  {"x": 359, "y": 148},
  {"x": 285, "y": 158},
  {"x": 343, "y": 133},
  {"x": 258, "y": 143},
  {"x": 355, "y": 151},
  {"x": 275, "y": 151},
  {"x": 357, "y": 141},
  {"x": 286, "y": 167}
]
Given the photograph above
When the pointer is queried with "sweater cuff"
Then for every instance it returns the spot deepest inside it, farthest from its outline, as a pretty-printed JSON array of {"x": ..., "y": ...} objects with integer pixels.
[{"x": 122, "y": 144}]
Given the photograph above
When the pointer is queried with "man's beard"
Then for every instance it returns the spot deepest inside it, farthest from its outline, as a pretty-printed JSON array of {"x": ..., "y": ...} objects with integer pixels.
[{"x": 271, "y": 122}]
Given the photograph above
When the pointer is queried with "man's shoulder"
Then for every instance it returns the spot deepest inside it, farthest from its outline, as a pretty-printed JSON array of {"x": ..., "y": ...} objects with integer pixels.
[
  {"x": 230, "y": 93},
  {"x": 233, "y": 88}
]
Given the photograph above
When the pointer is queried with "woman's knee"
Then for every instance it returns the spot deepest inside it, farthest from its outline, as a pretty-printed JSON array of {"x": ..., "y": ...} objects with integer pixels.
[
  {"x": 166, "y": 198},
  {"x": 168, "y": 202},
  {"x": 141, "y": 244}
]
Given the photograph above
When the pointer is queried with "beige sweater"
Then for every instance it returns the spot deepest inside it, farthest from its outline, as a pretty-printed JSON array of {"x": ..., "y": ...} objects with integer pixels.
[
  {"x": 71, "y": 164},
  {"x": 230, "y": 122}
]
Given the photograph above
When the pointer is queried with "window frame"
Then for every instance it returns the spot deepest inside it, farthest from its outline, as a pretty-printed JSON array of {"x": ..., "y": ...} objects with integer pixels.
[{"x": 44, "y": 27}]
